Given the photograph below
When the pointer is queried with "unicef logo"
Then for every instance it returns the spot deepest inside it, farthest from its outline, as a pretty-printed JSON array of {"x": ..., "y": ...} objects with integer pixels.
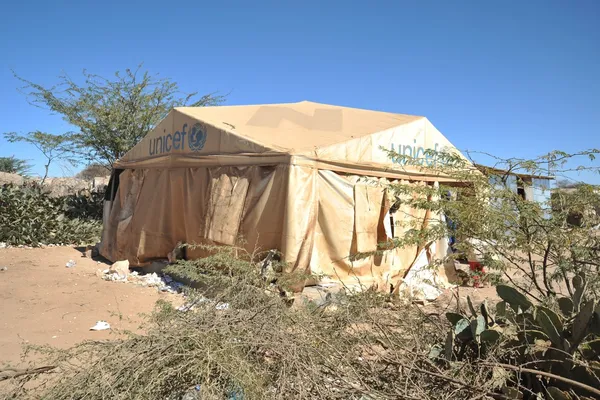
[{"x": 197, "y": 138}]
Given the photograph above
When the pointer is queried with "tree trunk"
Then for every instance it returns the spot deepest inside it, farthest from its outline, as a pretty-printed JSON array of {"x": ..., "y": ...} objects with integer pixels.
[{"x": 47, "y": 166}]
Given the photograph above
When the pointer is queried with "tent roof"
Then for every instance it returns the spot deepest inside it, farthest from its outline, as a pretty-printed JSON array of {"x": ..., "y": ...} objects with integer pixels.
[
  {"x": 297, "y": 127},
  {"x": 323, "y": 136}
]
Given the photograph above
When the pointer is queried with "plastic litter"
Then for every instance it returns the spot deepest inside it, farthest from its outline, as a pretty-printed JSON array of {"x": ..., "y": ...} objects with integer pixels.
[
  {"x": 120, "y": 269},
  {"x": 100, "y": 326},
  {"x": 70, "y": 264},
  {"x": 163, "y": 283},
  {"x": 327, "y": 284},
  {"x": 192, "y": 304},
  {"x": 422, "y": 282},
  {"x": 222, "y": 306},
  {"x": 3, "y": 268},
  {"x": 236, "y": 393},
  {"x": 192, "y": 394},
  {"x": 109, "y": 275}
]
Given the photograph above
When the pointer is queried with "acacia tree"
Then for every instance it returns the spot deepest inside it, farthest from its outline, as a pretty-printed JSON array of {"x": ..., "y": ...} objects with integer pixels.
[
  {"x": 53, "y": 147},
  {"x": 112, "y": 115},
  {"x": 530, "y": 244},
  {"x": 92, "y": 171},
  {"x": 14, "y": 165},
  {"x": 542, "y": 253}
]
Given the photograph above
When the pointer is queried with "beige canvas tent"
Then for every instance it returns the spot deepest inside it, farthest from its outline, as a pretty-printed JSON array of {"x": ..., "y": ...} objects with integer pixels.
[{"x": 292, "y": 177}]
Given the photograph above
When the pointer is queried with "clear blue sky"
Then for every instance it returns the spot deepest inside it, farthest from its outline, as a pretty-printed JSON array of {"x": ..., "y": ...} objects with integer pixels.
[{"x": 515, "y": 78}]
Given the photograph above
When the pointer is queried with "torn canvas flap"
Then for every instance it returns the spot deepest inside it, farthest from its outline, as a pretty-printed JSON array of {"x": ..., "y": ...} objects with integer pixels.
[
  {"x": 421, "y": 281},
  {"x": 367, "y": 212},
  {"x": 228, "y": 189}
]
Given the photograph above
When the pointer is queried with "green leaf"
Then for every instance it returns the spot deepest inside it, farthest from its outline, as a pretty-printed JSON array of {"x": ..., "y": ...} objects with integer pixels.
[
  {"x": 557, "y": 394},
  {"x": 501, "y": 309},
  {"x": 489, "y": 336},
  {"x": 471, "y": 308},
  {"x": 463, "y": 330},
  {"x": 556, "y": 320},
  {"x": 580, "y": 285},
  {"x": 566, "y": 306},
  {"x": 595, "y": 325},
  {"x": 582, "y": 322},
  {"x": 454, "y": 318},
  {"x": 549, "y": 328},
  {"x": 484, "y": 311},
  {"x": 513, "y": 297},
  {"x": 449, "y": 346},
  {"x": 594, "y": 345},
  {"x": 435, "y": 351},
  {"x": 477, "y": 326}
]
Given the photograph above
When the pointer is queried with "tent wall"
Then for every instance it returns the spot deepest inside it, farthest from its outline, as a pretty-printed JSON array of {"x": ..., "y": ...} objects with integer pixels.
[
  {"x": 318, "y": 219},
  {"x": 354, "y": 216},
  {"x": 157, "y": 208}
]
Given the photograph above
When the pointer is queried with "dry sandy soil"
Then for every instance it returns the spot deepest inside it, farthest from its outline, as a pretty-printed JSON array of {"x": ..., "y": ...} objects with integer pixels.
[{"x": 43, "y": 302}]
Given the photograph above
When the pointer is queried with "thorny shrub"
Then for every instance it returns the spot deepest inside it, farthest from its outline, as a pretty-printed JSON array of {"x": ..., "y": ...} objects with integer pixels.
[{"x": 355, "y": 345}]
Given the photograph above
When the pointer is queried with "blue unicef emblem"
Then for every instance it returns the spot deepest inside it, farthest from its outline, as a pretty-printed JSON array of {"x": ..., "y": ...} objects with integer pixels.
[{"x": 197, "y": 137}]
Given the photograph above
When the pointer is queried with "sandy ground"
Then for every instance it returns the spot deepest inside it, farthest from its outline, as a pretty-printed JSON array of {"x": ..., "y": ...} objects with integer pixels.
[{"x": 43, "y": 302}]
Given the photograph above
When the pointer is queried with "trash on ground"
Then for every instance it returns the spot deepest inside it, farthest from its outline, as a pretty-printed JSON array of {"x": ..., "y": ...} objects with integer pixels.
[
  {"x": 327, "y": 284},
  {"x": 3, "y": 268},
  {"x": 100, "y": 326},
  {"x": 192, "y": 394},
  {"x": 163, "y": 283},
  {"x": 236, "y": 393},
  {"x": 201, "y": 300},
  {"x": 70, "y": 264},
  {"x": 119, "y": 270},
  {"x": 192, "y": 304}
]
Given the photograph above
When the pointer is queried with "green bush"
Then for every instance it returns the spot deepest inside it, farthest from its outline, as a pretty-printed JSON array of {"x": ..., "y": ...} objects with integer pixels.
[
  {"x": 28, "y": 216},
  {"x": 83, "y": 205}
]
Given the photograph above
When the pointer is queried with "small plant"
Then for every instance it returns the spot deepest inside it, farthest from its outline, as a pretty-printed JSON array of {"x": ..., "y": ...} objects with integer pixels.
[
  {"x": 565, "y": 344},
  {"x": 475, "y": 331}
]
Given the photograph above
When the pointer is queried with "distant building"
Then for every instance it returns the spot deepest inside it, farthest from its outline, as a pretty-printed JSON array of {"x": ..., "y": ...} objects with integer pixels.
[{"x": 530, "y": 187}]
